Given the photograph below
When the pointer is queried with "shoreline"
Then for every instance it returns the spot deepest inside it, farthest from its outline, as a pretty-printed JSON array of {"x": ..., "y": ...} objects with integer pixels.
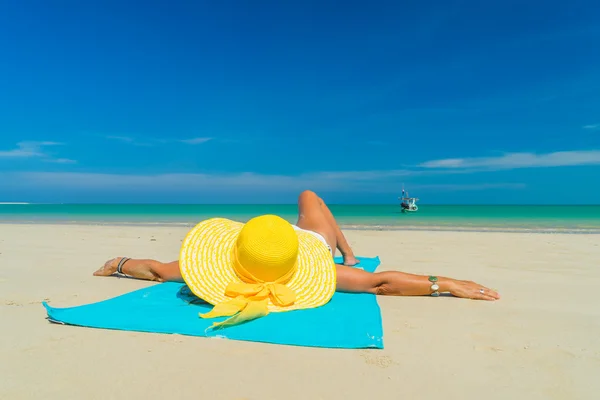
[{"x": 348, "y": 227}]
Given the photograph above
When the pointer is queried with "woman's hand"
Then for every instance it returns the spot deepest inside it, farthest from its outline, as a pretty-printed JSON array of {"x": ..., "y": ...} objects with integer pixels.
[{"x": 472, "y": 290}]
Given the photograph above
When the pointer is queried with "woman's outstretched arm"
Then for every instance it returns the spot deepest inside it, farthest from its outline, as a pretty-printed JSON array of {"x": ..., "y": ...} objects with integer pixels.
[
  {"x": 349, "y": 279},
  {"x": 394, "y": 283}
]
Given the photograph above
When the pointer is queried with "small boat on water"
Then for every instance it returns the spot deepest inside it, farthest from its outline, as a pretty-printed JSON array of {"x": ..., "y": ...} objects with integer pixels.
[{"x": 408, "y": 204}]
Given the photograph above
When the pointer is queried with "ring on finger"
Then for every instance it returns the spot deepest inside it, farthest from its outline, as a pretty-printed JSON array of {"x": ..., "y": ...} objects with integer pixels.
[{"x": 481, "y": 291}]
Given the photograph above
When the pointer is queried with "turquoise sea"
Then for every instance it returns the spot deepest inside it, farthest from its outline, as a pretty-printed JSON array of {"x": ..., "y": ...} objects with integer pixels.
[{"x": 572, "y": 219}]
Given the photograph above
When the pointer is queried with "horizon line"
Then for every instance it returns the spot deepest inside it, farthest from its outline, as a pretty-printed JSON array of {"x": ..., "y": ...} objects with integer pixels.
[{"x": 292, "y": 204}]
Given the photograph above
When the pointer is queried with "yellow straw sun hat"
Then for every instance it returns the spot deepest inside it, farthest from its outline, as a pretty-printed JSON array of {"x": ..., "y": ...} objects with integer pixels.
[{"x": 248, "y": 270}]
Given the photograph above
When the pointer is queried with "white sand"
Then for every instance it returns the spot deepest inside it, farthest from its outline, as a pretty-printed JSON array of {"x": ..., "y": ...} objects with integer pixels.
[{"x": 541, "y": 341}]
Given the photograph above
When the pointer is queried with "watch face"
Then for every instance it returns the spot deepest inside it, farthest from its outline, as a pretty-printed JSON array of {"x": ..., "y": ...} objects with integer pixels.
[{"x": 434, "y": 287}]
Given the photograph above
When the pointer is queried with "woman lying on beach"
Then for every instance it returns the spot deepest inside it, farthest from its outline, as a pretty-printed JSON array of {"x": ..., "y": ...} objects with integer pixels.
[{"x": 316, "y": 219}]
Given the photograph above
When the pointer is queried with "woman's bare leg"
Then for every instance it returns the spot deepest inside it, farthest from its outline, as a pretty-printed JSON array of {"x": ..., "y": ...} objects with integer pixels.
[
  {"x": 313, "y": 214},
  {"x": 150, "y": 270}
]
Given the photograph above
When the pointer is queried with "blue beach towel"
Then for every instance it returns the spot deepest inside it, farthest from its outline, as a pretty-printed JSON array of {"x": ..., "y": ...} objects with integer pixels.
[{"x": 347, "y": 321}]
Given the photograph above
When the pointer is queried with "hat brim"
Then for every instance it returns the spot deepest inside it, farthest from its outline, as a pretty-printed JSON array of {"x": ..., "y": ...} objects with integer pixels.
[{"x": 206, "y": 265}]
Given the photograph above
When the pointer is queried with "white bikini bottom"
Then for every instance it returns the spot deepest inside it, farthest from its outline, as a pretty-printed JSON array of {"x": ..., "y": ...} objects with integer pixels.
[{"x": 315, "y": 234}]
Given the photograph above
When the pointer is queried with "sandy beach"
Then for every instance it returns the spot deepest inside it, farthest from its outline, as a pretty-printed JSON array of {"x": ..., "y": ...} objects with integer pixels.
[{"x": 540, "y": 341}]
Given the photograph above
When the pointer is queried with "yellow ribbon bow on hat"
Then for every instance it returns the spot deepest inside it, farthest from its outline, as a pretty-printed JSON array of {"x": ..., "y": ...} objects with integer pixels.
[
  {"x": 250, "y": 298},
  {"x": 250, "y": 301},
  {"x": 264, "y": 258}
]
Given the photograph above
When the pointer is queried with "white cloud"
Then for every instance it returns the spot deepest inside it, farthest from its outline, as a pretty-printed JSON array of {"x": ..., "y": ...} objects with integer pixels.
[
  {"x": 342, "y": 181},
  {"x": 198, "y": 140},
  {"x": 518, "y": 160},
  {"x": 125, "y": 139},
  {"x": 62, "y": 161},
  {"x": 445, "y": 163},
  {"x": 175, "y": 182},
  {"x": 146, "y": 142},
  {"x": 364, "y": 175},
  {"x": 241, "y": 183},
  {"x": 135, "y": 141},
  {"x": 593, "y": 127},
  {"x": 28, "y": 150},
  {"x": 246, "y": 182}
]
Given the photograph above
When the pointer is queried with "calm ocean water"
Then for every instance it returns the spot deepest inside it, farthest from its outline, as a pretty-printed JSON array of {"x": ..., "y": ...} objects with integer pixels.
[{"x": 582, "y": 219}]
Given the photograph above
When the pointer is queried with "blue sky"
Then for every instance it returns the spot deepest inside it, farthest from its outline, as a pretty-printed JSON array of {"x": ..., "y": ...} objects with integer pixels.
[{"x": 254, "y": 101}]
